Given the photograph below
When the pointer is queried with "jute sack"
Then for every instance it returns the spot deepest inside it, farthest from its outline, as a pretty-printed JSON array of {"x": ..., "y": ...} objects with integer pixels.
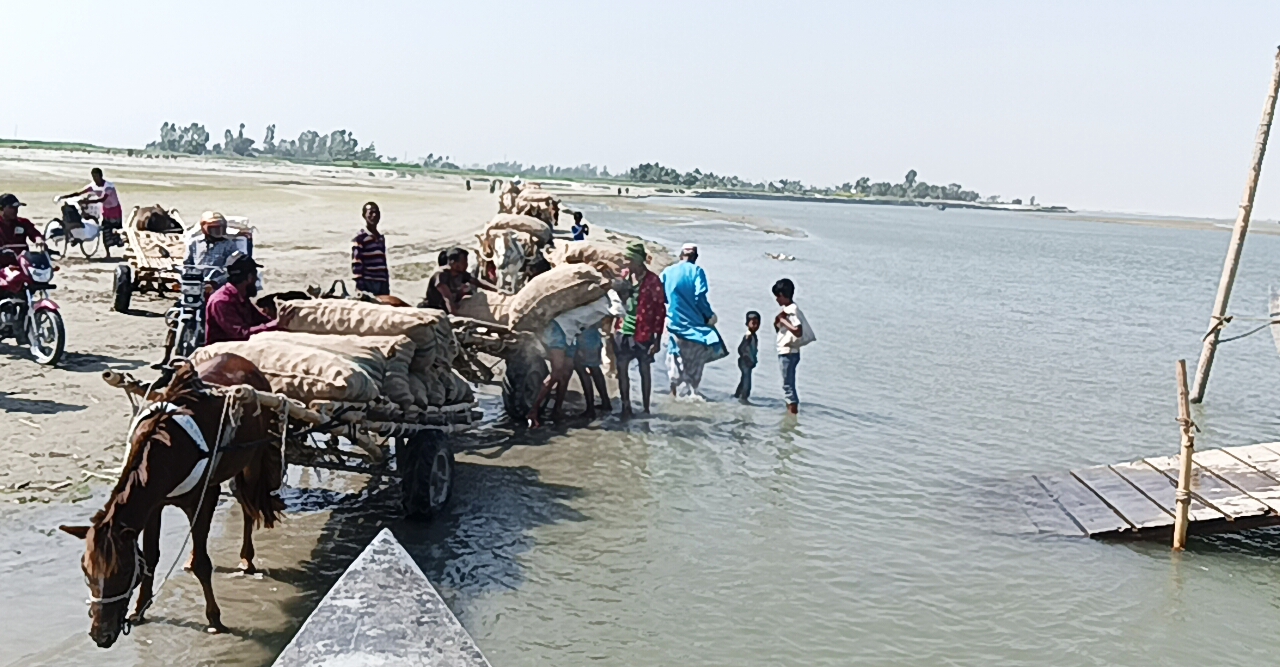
[
  {"x": 520, "y": 223},
  {"x": 559, "y": 290},
  {"x": 433, "y": 381},
  {"x": 300, "y": 372},
  {"x": 458, "y": 390},
  {"x": 426, "y": 327},
  {"x": 607, "y": 259},
  {"x": 421, "y": 397},
  {"x": 384, "y": 358},
  {"x": 485, "y": 306}
]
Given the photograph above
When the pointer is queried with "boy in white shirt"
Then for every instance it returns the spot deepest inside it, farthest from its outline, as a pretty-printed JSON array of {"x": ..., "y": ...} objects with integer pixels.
[{"x": 794, "y": 332}]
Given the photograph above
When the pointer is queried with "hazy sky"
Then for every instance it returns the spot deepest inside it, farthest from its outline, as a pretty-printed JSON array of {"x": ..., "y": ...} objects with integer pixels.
[{"x": 1130, "y": 106}]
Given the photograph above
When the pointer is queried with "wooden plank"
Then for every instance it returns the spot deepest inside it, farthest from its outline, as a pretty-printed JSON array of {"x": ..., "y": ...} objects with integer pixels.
[
  {"x": 1138, "y": 509},
  {"x": 1261, "y": 457},
  {"x": 1162, "y": 489},
  {"x": 1082, "y": 505},
  {"x": 1242, "y": 476},
  {"x": 1212, "y": 489}
]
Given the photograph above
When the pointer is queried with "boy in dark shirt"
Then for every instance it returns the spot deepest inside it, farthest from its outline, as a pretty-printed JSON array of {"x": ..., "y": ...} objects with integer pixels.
[{"x": 747, "y": 356}]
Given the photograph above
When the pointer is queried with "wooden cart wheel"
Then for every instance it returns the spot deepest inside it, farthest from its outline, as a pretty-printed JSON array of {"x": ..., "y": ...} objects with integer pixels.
[{"x": 425, "y": 462}]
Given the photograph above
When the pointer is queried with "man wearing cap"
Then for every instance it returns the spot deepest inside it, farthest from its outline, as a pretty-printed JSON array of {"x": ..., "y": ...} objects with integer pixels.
[
  {"x": 690, "y": 323},
  {"x": 639, "y": 331},
  {"x": 230, "y": 314},
  {"x": 15, "y": 232},
  {"x": 214, "y": 248}
]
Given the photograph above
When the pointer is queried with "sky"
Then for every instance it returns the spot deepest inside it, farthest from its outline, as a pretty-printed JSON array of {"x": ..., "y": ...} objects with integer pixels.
[{"x": 1144, "y": 107}]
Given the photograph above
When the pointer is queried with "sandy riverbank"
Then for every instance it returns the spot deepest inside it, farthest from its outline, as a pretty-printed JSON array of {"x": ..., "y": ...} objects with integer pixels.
[{"x": 63, "y": 427}]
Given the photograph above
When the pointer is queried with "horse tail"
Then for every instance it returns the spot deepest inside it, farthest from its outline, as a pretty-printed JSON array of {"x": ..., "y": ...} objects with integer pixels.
[{"x": 257, "y": 484}]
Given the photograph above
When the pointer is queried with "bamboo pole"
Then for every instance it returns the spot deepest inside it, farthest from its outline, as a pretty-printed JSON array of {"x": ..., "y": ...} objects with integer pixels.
[
  {"x": 1219, "y": 317},
  {"x": 1183, "y": 496}
]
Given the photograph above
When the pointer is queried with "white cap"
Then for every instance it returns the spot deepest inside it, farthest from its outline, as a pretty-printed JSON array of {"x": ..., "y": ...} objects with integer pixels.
[{"x": 688, "y": 246}]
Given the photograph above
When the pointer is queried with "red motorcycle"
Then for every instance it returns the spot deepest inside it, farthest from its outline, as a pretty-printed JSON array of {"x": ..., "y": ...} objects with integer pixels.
[{"x": 26, "y": 311}]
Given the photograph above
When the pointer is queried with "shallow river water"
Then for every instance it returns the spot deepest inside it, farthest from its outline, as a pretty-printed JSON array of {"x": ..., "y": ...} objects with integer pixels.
[{"x": 891, "y": 523}]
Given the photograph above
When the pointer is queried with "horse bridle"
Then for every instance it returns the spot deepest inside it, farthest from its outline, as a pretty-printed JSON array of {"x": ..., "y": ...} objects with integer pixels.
[{"x": 140, "y": 572}]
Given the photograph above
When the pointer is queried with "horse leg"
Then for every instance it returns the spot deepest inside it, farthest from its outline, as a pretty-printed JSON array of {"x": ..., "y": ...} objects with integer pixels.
[
  {"x": 246, "y": 544},
  {"x": 203, "y": 565},
  {"x": 151, "y": 554}
]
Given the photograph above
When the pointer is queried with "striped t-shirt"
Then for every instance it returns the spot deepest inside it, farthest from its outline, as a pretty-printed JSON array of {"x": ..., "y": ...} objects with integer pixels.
[{"x": 369, "y": 257}]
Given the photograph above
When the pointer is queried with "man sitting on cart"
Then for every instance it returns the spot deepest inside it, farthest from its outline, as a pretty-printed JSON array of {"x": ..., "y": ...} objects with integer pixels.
[
  {"x": 230, "y": 314},
  {"x": 214, "y": 249}
]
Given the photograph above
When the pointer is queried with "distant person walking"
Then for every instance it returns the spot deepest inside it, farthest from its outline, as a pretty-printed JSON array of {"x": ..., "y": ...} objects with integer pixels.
[
  {"x": 794, "y": 333},
  {"x": 369, "y": 255},
  {"x": 691, "y": 324},
  {"x": 639, "y": 330},
  {"x": 748, "y": 356}
]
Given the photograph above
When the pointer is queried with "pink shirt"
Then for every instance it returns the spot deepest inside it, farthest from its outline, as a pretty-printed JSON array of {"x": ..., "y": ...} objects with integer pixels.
[{"x": 110, "y": 200}]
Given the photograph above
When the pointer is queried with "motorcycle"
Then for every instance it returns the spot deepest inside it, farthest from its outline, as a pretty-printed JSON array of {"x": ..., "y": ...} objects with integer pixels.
[
  {"x": 186, "y": 318},
  {"x": 80, "y": 226},
  {"x": 27, "y": 314}
]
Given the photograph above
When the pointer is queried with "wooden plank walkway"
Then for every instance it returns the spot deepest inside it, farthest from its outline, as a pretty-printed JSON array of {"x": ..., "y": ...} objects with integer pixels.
[{"x": 1236, "y": 488}]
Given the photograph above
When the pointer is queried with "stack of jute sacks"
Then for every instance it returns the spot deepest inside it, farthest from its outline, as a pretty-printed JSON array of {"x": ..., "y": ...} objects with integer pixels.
[
  {"x": 343, "y": 351},
  {"x": 545, "y": 297}
]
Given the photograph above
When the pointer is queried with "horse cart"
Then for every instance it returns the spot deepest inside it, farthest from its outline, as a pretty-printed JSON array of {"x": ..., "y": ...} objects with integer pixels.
[
  {"x": 156, "y": 241},
  {"x": 358, "y": 400}
]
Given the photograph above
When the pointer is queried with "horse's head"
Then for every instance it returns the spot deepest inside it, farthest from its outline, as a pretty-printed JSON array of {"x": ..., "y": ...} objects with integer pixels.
[
  {"x": 507, "y": 252},
  {"x": 113, "y": 567}
]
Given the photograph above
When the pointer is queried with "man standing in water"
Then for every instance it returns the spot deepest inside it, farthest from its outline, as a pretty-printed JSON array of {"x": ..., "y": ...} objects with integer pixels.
[
  {"x": 639, "y": 333},
  {"x": 369, "y": 255},
  {"x": 691, "y": 324}
]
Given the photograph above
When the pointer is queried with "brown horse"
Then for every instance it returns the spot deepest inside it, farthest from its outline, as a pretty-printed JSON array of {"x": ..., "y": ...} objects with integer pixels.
[{"x": 164, "y": 467}]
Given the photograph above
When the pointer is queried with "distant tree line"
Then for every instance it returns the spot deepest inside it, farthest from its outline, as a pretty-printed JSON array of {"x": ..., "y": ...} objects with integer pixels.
[
  {"x": 342, "y": 146},
  {"x": 339, "y": 145}
]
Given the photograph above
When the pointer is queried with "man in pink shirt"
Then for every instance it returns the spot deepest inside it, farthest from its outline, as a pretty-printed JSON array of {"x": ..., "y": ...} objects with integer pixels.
[{"x": 104, "y": 192}]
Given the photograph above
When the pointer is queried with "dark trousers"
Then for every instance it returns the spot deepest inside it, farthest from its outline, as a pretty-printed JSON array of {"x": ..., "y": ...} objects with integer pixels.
[
  {"x": 374, "y": 287},
  {"x": 744, "y": 385}
]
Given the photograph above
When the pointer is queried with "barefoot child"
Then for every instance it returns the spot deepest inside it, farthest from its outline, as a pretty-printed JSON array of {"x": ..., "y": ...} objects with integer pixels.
[
  {"x": 748, "y": 350},
  {"x": 794, "y": 332}
]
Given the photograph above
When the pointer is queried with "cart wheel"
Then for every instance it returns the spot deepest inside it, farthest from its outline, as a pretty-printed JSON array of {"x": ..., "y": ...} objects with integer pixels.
[
  {"x": 425, "y": 462},
  {"x": 122, "y": 289},
  {"x": 56, "y": 238}
]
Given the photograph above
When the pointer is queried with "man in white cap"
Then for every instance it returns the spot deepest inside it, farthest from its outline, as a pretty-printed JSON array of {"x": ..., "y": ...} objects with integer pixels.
[
  {"x": 214, "y": 247},
  {"x": 694, "y": 340}
]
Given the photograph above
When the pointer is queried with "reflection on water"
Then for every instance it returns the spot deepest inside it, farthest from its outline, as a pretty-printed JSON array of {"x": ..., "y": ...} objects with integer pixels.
[{"x": 893, "y": 522}]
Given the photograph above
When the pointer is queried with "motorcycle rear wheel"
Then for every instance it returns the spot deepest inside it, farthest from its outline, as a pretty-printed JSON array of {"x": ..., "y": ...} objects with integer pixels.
[{"x": 47, "y": 337}]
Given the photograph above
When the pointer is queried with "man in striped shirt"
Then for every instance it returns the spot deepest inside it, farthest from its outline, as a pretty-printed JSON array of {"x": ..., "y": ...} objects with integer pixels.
[{"x": 369, "y": 255}]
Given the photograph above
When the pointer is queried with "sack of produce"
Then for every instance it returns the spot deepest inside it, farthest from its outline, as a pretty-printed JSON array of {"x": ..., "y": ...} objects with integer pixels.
[
  {"x": 384, "y": 358},
  {"x": 458, "y": 390},
  {"x": 485, "y": 306},
  {"x": 428, "y": 328},
  {"x": 421, "y": 397},
  {"x": 520, "y": 223},
  {"x": 549, "y": 294},
  {"x": 297, "y": 371},
  {"x": 608, "y": 259}
]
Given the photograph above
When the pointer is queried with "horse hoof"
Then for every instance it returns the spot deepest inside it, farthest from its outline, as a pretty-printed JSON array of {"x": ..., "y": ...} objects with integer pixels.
[
  {"x": 137, "y": 619},
  {"x": 216, "y": 629},
  {"x": 246, "y": 566}
]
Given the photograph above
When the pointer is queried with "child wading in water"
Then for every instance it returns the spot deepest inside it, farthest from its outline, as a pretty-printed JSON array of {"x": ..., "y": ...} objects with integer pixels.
[
  {"x": 794, "y": 332},
  {"x": 748, "y": 350}
]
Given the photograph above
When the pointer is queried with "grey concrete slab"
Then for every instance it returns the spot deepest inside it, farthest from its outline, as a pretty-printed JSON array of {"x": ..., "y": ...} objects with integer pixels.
[{"x": 382, "y": 612}]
